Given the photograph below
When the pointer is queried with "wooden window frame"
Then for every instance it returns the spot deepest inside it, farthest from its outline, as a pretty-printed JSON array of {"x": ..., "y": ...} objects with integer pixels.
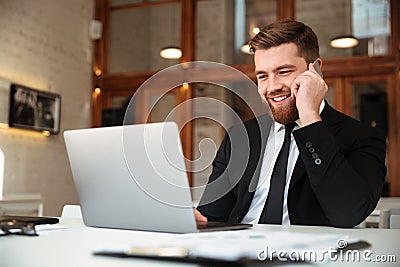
[{"x": 336, "y": 71}]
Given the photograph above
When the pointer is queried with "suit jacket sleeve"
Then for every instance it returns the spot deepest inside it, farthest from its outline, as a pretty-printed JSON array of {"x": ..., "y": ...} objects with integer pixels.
[
  {"x": 346, "y": 171},
  {"x": 235, "y": 171},
  {"x": 219, "y": 209}
]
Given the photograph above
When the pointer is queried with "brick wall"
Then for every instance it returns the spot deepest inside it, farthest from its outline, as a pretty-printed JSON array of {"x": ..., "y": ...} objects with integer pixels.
[{"x": 44, "y": 44}]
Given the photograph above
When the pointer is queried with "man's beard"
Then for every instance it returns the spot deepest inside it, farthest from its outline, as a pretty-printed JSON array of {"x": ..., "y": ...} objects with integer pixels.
[{"x": 284, "y": 114}]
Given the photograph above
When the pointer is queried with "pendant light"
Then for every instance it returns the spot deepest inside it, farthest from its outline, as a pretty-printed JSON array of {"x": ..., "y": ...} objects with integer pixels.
[
  {"x": 171, "y": 52},
  {"x": 345, "y": 41}
]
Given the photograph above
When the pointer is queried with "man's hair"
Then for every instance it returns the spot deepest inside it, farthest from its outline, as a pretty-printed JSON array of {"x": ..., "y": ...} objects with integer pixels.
[{"x": 288, "y": 31}]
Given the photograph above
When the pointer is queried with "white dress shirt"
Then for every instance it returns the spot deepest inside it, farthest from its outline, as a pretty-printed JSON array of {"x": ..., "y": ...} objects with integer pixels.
[{"x": 274, "y": 145}]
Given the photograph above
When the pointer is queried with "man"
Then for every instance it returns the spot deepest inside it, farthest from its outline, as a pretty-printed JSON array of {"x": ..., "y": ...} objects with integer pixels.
[{"x": 335, "y": 165}]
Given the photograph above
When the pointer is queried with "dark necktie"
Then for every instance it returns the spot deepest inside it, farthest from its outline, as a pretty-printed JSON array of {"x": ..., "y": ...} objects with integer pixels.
[{"x": 273, "y": 208}]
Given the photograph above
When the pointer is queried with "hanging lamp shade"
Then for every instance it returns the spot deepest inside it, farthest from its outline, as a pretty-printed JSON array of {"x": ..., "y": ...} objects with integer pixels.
[
  {"x": 245, "y": 49},
  {"x": 171, "y": 52},
  {"x": 345, "y": 41}
]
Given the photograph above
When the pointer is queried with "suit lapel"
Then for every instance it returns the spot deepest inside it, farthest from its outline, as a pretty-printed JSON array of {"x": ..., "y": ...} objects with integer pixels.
[
  {"x": 298, "y": 172},
  {"x": 265, "y": 123},
  {"x": 259, "y": 132}
]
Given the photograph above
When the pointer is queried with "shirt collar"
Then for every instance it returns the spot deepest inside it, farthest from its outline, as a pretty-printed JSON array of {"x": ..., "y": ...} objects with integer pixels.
[{"x": 278, "y": 126}]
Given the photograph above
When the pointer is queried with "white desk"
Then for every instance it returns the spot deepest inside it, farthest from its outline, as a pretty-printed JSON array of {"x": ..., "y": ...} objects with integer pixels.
[{"x": 73, "y": 246}]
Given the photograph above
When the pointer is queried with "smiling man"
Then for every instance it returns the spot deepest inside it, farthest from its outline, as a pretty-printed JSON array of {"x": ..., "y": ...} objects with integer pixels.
[{"x": 311, "y": 165}]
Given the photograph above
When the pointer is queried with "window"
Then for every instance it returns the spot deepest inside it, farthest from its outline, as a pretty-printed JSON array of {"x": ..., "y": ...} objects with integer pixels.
[
  {"x": 223, "y": 27},
  {"x": 367, "y": 20},
  {"x": 137, "y": 34}
]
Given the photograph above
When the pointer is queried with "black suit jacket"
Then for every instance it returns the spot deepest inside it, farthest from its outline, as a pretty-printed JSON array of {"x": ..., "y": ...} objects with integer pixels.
[{"x": 337, "y": 179}]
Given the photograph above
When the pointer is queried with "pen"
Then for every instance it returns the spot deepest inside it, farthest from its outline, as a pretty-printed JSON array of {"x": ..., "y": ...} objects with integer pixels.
[{"x": 173, "y": 254}]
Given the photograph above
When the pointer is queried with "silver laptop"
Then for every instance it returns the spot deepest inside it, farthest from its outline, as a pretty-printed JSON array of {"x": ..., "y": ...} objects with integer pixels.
[{"x": 134, "y": 177}]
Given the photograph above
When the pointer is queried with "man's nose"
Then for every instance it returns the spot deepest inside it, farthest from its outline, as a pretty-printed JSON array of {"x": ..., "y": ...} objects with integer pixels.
[{"x": 274, "y": 84}]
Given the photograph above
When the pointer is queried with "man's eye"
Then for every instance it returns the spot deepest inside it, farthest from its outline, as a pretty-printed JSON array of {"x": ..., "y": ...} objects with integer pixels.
[
  {"x": 262, "y": 76},
  {"x": 285, "y": 72}
]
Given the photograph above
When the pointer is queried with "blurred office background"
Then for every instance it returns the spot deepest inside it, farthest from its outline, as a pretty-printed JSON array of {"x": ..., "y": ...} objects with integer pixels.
[{"x": 97, "y": 53}]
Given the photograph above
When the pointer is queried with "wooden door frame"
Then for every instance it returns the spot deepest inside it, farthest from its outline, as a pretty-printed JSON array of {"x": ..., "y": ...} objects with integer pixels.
[{"x": 393, "y": 121}]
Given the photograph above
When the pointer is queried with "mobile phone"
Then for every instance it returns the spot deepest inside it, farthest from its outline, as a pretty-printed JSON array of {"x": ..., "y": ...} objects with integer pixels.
[{"x": 317, "y": 68}]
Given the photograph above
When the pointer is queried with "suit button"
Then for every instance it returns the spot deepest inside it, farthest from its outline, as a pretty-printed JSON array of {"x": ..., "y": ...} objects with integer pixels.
[
  {"x": 314, "y": 155},
  {"x": 308, "y": 144},
  {"x": 311, "y": 150},
  {"x": 318, "y": 161}
]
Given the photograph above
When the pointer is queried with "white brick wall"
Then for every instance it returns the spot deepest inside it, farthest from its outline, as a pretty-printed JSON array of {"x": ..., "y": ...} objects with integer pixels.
[{"x": 44, "y": 44}]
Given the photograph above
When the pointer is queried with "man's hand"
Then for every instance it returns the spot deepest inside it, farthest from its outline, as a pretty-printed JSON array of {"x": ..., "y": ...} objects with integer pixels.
[
  {"x": 309, "y": 89},
  {"x": 199, "y": 217}
]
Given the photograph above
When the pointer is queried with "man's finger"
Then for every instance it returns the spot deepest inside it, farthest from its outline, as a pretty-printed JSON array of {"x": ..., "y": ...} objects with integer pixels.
[{"x": 198, "y": 216}]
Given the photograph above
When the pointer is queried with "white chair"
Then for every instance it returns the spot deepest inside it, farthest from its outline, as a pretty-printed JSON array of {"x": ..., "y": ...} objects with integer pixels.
[
  {"x": 71, "y": 211},
  {"x": 379, "y": 217},
  {"x": 390, "y": 218}
]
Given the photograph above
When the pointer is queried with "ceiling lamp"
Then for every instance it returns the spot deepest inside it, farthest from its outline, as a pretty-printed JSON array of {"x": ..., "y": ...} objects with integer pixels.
[
  {"x": 255, "y": 30},
  {"x": 345, "y": 41},
  {"x": 171, "y": 52},
  {"x": 245, "y": 49}
]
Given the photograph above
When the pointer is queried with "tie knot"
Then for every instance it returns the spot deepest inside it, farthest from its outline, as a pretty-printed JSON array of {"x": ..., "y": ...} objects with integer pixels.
[{"x": 289, "y": 127}]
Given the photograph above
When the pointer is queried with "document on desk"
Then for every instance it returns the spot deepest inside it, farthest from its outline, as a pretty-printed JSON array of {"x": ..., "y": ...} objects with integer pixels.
[{"x": 233, "y": 246}]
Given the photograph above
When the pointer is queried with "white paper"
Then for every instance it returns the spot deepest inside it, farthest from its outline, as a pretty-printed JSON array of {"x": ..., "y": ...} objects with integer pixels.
[{"x": 234, "y": 245}]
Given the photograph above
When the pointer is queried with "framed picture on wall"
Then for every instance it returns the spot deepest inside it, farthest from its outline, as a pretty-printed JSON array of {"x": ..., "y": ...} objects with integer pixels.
[{"x": 33, "y": 109}]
